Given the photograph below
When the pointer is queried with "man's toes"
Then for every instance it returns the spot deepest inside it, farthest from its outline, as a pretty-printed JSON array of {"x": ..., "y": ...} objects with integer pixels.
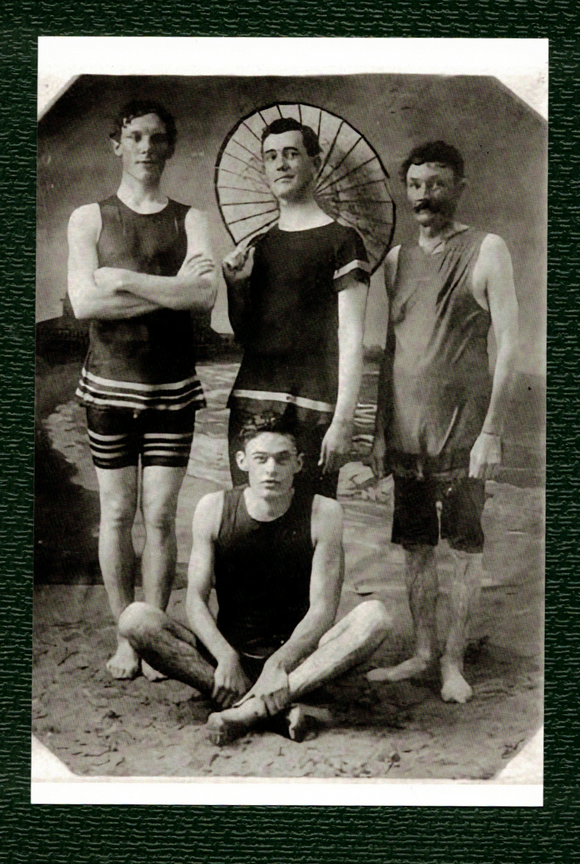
[
  {"x": 122, "y": 671},
  {"x": 150, "y": 673},
  {"x": 457, "y": 690},
  {"x": 217, "y": 730},
  {"x": 124, "y": 664}
]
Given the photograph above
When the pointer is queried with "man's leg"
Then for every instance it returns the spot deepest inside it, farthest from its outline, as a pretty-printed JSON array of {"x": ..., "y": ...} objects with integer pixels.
[
  {"x": 422, "y": 590},
  {"x": 416, "y": 528},
  {"x": 463, "y": 506},
  {"x": 118, "y": 497},
  {"x": 463, "y": 602},
  {"x": 166, "y": 646},
  {"x": 160, "y": 491},
  {"x": 347, "y": 644}
]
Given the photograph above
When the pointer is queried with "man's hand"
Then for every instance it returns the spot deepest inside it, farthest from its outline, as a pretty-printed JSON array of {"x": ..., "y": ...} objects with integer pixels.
[
  {"x": 335, "y": 445},
  {"x": 237, "y": 266},
  {"x": 229, "y": 681},
  {"x": 110, "y": 279},
  {"x": 376, "y": 459},
  {"x": 485, "y": 457},
  {"x": 197, "y": 266},
  {"x": 272, "y": 688}
]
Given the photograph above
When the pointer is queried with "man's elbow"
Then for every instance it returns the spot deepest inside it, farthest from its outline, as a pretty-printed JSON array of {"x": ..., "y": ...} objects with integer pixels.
[
  {"x": 203, "y": 298},
  {"x": 82, "y": 307}
]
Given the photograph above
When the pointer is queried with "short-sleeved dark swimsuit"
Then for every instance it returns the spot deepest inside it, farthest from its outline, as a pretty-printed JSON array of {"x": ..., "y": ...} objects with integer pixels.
[{"x": 290, "y": 337}]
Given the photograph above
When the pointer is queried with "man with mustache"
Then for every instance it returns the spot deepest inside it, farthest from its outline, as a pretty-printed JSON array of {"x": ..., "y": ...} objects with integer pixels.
[
  {"x": 439, "y": 413},
  {"x": 139, "y": 265}
]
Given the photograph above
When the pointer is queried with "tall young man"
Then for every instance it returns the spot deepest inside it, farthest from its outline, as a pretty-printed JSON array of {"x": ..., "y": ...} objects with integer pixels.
[
  {"x": 139, "y": 264},
  {"x": 297, "y": 300},
  {"x": 439, "y": 417},
  {"x": 274, "y": 558}
]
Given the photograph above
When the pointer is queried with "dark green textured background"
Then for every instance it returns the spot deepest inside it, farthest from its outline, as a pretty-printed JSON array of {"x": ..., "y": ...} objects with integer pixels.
[{"x": 278, "y": 835}]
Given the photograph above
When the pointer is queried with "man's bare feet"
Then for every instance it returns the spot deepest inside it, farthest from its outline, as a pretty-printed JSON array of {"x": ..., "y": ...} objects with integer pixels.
[
  {"x": 150, "y": 673},
  {"x": 408, "y": 669},
  {"x": 125, "y": 662},
  {"x": 455, "y": 687}
]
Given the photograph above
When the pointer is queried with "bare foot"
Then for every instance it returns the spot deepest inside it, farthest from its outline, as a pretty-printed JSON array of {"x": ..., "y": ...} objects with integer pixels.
[
  {"x": 150, "y": 673},
  {"x": 223, "y": 730},
  {"x": 455, "y": 687},
  {"x": 223, "y": 727},
  {"x": 407, "y": 669},
  {"x": 125, "y": 662},
  {"x": 303, "y": 719}
]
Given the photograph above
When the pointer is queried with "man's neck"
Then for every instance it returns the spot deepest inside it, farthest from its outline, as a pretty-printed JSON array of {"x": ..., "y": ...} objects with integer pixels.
[
  {"x": 432, "y": 237},
  {"x": 143, "y": 198},
  {"x": 301, "y": 215},
  {"x": 266, "y": 509}
]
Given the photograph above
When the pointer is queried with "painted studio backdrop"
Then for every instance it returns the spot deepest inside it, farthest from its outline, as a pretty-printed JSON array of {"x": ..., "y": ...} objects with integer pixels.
[{"x": 504, "y": 144}]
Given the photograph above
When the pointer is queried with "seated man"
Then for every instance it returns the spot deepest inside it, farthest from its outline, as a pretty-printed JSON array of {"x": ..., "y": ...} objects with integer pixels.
[{"x": 275, "y": 560}]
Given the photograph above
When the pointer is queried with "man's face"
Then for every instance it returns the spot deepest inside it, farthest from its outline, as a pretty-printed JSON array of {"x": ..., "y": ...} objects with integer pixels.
[
  {"x": 144, "y": 148},
  {"x": 433, "y": 192},
  {"x": 290, "y": 171},
  {"x": 271, "y": 460}
]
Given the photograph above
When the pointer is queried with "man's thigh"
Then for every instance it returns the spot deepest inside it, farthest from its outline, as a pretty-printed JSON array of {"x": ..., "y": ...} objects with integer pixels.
[
  {"x": 462, "y": 508},
  {"x": 114, "y": 437},
  {"x": 415, "y": 519}
]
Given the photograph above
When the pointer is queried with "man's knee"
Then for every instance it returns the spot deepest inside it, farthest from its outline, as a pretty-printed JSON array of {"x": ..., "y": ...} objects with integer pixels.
[
  {"x": 140, "y": 622},
  {"x": 118, "y": 511},
  {"x": 160, "y": 517},
  {"x": 374, "y": 618}
]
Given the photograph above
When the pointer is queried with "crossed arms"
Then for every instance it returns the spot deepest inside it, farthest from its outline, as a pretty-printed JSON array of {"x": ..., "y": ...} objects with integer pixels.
[
  {"x": 230, "y": 681},
  {"x": 113, "y": 293}
]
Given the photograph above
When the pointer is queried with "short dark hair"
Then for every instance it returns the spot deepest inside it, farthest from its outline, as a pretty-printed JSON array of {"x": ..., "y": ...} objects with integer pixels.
[
  {"x": 138, "y": 108},
  {"x": 268, "y": 421},
  {"x": 289, "y": 124},
  {"x": 434, "y": 151}
]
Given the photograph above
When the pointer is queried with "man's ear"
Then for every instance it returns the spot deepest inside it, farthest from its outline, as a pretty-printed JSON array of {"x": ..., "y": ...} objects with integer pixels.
[
  {"x": 116, "y": 145},
  {"x": 317, "y": 162},
  {"x": 300, "y": 460},
  {"x": 241, "y": 460}
]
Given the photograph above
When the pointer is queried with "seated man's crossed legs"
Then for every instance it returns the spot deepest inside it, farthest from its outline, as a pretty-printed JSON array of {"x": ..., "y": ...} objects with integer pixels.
[{"x": 172, "y": 648}]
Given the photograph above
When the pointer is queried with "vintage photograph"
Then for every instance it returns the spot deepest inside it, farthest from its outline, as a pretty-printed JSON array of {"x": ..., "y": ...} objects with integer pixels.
[{"x": 290, "y": 427}]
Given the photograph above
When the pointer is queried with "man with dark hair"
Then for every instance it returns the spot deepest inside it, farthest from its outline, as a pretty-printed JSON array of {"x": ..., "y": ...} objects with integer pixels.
[
  {"x": 274, "y": 559},
  {"x": 297, "y": 298},
  {"x": 439, "y": 413},
  {"x": 139, "y": 265}
]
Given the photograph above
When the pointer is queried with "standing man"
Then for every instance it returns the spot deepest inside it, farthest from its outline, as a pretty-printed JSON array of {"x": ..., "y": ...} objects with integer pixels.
[
  {"x": 274, "y": 559},
  {"x": 139, "y": 264},
  {"x": 297, "y": 299},
  {"x": 439, "y": 413}
]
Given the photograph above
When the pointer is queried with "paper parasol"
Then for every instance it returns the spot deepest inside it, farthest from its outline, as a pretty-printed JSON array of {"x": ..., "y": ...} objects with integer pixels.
[{"x": 351, "y": 185}]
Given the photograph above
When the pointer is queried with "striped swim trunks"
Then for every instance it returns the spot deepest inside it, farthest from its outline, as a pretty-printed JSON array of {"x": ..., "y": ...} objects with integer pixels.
[{"x": 119, "y": 436}]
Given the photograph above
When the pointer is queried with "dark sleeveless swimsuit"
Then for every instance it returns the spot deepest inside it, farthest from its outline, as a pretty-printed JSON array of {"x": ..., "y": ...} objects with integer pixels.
[{"x": 262, "y": 574}]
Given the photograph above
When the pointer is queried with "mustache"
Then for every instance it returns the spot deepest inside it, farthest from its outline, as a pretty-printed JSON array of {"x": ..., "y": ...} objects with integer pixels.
[{"x": 431, "y": 206}]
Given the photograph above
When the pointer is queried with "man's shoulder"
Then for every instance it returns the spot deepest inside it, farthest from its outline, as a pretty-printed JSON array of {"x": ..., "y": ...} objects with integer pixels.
[
  {"x": 208, "y": 513},
  {"x": 85, "y": 221},
  {"x": 85, "y": 212}
]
